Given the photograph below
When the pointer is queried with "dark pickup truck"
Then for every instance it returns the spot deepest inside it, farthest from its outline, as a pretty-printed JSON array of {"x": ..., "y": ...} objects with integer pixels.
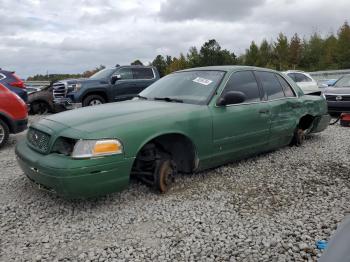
[{"x": 108, "y": 85}]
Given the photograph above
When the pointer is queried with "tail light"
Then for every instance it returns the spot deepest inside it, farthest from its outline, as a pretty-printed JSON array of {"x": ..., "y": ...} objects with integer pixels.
[{"x": 18, "y": 82}]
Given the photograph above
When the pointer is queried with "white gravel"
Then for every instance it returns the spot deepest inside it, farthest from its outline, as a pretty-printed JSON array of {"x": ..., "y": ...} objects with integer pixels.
[{"x": 269, "y": 208}]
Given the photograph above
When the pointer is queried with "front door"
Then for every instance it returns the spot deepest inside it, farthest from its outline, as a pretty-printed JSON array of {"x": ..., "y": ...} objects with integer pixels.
[
  {"x": 241, "y": 129},
  {"x": 126, "y": 86}
]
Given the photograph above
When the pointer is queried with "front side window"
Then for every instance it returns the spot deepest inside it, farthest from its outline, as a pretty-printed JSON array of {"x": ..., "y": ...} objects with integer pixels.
[
  {"x": 244, "y": 82},
  {"x": 143, "y": 73},
  {"x": 193, "y": 87},
  {"x": 288, "y": 91},
  {"x": 271, "y": 85},
  {"x": 125, "y": 73}
]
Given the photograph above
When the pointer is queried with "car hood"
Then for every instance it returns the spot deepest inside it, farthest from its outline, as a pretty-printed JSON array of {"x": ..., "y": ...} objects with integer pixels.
[
  {"x": 118, "y": 115},
  {"x": 337, "y": 90}
]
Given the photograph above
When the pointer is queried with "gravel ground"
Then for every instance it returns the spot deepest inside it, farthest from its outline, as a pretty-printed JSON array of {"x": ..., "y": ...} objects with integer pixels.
[{"x": 269, "y": 208}]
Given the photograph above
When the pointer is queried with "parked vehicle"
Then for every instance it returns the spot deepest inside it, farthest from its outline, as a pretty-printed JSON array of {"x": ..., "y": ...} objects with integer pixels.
[
  {"x": 326, "y": 83},
  {"x": 338, "y": 95},
  {"x": 186, "y": 122},
  {"x": 304, "y": 81},
  {"x": 31, "y": 89},
  {"x": 13, "y": 114},
  {"x": 13, "y": 83},
  {"x": 108, "y": 85},
  {"x": 41, "y": 102}
]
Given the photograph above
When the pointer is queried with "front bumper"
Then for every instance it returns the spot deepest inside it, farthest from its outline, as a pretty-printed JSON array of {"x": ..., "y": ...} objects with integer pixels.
[
  {"x": 74, "y": 178},
  {"x": 321, "y": 123},
  {"x": 338, "y": 106},
  {"x": 67, "y": 103}
]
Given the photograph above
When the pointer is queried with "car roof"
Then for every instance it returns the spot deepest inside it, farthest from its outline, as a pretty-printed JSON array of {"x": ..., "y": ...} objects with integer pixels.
[
  {"x": 295, "y": 71},
  {"x": 228, "y": 68},
  {"x": 2, "y": 71}
]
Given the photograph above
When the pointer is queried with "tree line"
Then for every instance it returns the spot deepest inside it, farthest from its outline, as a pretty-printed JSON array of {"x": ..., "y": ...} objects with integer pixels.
[
  {"x": 308, "y": 54},
  {"x": 57, "y": 77}
]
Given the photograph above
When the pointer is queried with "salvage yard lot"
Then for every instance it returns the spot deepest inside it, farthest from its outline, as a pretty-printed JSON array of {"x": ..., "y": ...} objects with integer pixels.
[{"x": 273, "y": 207}]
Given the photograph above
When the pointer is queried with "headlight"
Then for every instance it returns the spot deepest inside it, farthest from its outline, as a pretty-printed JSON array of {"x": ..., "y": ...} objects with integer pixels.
[
  {"x": 74, "y": 87},
  {"x": 95, "y": 148}
]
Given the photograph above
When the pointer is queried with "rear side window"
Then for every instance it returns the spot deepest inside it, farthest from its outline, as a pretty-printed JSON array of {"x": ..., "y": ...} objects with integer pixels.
[
  {"x": 271, "y": 85},
  {"x": 244, "y": 82},
  {"x": 143, "y": 73},
  {"x": 288, "y": 91}
]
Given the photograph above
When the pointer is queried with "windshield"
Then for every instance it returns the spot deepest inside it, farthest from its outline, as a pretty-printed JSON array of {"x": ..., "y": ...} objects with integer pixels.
[
  {"x": 193, "y": 87},
  {"x": 103, "y": 74},
  {"x": 343, "y": 82}
]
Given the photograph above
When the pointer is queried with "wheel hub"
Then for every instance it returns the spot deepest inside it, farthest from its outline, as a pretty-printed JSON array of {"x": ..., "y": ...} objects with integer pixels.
[{"x": 95, "y": 102}]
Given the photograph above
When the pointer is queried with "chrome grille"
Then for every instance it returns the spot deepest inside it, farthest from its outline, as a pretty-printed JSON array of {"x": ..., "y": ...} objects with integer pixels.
[
  {"x": 334, "y": 97},
  {"x": 38, "y": 140},
  {"x": 59, "y": 90}
]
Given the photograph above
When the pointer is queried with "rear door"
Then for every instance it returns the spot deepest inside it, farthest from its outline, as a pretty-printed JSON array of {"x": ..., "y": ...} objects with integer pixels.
[
  {"x": 144, "y": 77},
  {"x": 241, "y": 129},
  {"x": 283, "y": 107},
  {"x": 125, "y": 87}
]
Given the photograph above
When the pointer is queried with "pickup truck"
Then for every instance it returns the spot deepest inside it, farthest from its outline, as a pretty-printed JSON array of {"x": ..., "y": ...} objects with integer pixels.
[{"x": 108, "y": 85}]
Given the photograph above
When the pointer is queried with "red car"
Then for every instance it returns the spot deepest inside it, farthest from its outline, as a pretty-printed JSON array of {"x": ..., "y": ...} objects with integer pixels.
[{"x": 13, "y": 114}]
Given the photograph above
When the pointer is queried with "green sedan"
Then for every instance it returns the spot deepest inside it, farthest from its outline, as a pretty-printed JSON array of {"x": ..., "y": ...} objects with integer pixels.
[{"x": 186, "y": 122}]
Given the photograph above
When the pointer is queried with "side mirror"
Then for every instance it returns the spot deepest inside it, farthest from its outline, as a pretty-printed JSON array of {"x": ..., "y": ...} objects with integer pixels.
[
  {"x": 115, "y": 78},
  {"x": 231, "y": 98}
]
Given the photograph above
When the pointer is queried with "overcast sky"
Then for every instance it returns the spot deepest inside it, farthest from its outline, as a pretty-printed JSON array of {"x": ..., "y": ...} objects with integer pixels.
[{"x": 71, "y": 36}]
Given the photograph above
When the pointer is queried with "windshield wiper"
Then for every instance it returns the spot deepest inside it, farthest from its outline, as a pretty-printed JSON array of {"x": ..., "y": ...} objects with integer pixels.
[
  {"x": 141, "y": 97},
  {"x": 168, "y": 99}
]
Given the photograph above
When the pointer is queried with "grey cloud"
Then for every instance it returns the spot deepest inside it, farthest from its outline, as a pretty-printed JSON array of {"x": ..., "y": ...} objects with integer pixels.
[
  {"x": 73, "y": 36},
  {"x": 220, "y": 10}
]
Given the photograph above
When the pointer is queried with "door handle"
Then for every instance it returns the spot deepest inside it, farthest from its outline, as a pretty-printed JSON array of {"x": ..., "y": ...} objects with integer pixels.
[{"x": 264, "y": 111}]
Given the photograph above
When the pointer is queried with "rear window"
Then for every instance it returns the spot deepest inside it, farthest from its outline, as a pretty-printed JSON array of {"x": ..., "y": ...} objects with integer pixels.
[
  {"x": 143, "y": 73},
  {"x": 288, "y": 91},
  {"x": 271, "y": 85}
]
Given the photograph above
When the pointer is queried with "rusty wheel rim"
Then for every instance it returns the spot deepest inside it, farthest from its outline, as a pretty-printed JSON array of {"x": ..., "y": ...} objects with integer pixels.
[
  {"x": 301, "y": 136},
  {"x": 166, "y": 176}
]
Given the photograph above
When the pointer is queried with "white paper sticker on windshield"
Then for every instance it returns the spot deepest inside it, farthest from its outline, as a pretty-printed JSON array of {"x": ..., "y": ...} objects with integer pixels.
[{"x": 202, "y": 81}]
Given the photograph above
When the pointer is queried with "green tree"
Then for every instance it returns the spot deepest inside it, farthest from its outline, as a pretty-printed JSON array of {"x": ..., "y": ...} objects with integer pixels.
[
  {"x": 295, "y": 51},
  {"x": 137, "y": 62},
  {"x": 212, "y": 54},
  {"x": 343, "y": 46},
  {"x": 177, "y": 64},
  {"x": 281, "y": 50},
  {"x": 193, "y": 57},
  {"x": 265, "y": 54},
  {"x": 329, "y": 59},
  {"x": 252, "y": 55},
  {"x": 161, "y": 65}
]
